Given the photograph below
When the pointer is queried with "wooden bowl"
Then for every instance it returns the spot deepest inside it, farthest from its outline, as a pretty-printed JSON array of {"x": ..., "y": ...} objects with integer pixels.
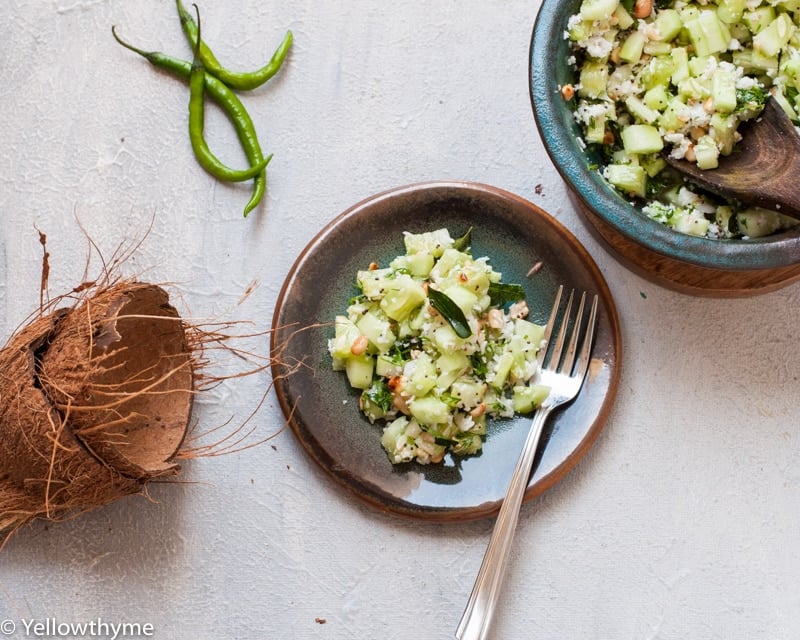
[{"x": 697, "y": 266}]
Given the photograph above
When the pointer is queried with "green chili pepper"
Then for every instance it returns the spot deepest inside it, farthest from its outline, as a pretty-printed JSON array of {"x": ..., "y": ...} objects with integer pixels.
[
  {"x": 197, "y": 103},
  {"x": 235, "y": 80},
  {"x": 450, "y": 311},
  {"x": 228, "y": 101}
]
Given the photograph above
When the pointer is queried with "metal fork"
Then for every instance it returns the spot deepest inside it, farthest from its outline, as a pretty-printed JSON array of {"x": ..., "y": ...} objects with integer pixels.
[{"x": 564, "y": 375}]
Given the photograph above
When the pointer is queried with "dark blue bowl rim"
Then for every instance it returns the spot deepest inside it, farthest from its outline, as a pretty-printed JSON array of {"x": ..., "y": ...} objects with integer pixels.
[{"x": 548, "y": 51}]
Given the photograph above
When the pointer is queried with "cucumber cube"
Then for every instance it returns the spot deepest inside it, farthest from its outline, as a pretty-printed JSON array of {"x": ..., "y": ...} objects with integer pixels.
[
  {"x": 372, "y": 282},
  {"x": 402, "y": 295},
  {"x": 624, "y": 19},
  {"x": 598, "y": 9},
  {"x": 705, "y": 149},
  {"x": 669, "y": 24},
  {"x": 770, "y": 40},
  {"x": 345, "y": 332},
  {"x": 657, "y": 98},
  {"x": 526, "y": 399},
  {"x": 758, "y": 19},
  {"x": 359, "y": 370},
  {"x": 450, "y": 366},
  {"x": 641, "y": 111},
  {"x": 378, "y": 331},
  {"x": 641, "y": 138},
  {"x": 503, "y": 369},
  {"x": 593, "y": 80},
  {"x": 707, "y": 34},
  {"x": 433, "y": 242},
  {"x": 470, "y": 393},
  {"x": 632, "y": 48},
  {"x": 731, "y": 11},
  {"x": 421, "y": 375},
  {"x": 386, "y": 367},
  {"x": 429, "y": 410},
  {"x": 465, "y": 300},
  {"x": 628, "y": 178},
  {"x": 723, "y": 91}
]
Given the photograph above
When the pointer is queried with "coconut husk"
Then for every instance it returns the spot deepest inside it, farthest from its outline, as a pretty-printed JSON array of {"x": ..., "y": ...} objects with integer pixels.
[{"x": 95, "y": 401}]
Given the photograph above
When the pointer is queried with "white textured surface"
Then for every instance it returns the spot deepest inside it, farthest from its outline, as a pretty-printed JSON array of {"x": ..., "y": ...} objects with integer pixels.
[{"x": 682, "y": 522}]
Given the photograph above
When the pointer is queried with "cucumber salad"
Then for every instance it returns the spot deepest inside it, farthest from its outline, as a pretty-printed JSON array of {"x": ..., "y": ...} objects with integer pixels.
[
  {"x": 678, "y": 77},
  {"x": 436, "y": 343}
]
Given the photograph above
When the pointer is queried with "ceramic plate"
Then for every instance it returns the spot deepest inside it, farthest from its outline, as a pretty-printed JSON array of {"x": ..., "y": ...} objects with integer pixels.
[{"x": 323, "y": 411}]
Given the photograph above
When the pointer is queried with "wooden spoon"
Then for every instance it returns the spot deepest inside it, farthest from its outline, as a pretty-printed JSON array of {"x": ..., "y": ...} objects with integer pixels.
[{"x": 764, "y": 168}]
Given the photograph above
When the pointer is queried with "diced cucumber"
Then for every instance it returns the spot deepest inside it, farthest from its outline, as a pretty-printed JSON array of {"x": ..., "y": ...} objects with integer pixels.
[
  {"x": 658, "y": 71},
  {"x": 755, "y": 223},
  {"x": 657, "y": 98},
  {"x": 433, "y": 242},
  {"x": 393, "y": 439},
  {"x": 624, "y": 19},
  {"x": 671, "y": 118},
  {"x": 449, "y": 260},
  {"x": 387, "y": 367},
  {"x": 772, "y": 38},
  {"x": 693, "y": 225},
  {"x": 465, "y": 300},
  {"x": 759, "y": 18},
  {"x": 706, "y": 33},
  {"x": 641, "y": 111},
  {"x": 372, "y": 282},
  {"x": 593, "y": 80},
  {"x": 504, "y": 365},
  {"x": 669, "y": 24},
  {"x": 359, "y": 370},
  {"x": 641, "y": 138},
  {"x": 731, "y": 11},
  {"x": 705, "y": 149},
  {"x": 417, "y": 264},
  {"x": 429, "y": 410},
  {"x": 445, "y": 338},
  {"x": 402, "y": 295},
  {"x": 470, "y": 393},
  {"x": 526, "y": 399},
  {"x": 653, "y": 164},
  {"x": 628, "y": 178},
  {"x": 680, "y": 64},
  {"x": 632, "y": 48},
  {"x": 345, "y": 333},
  {"x": 530, "y": 332},
  {"x": 598, "y": 9},
  {"x": 420, "y": 375},
  {"x": 450, "y": 366},
  {"x": 378, "y": 331},
  {"x": 693, "y": 89},
  {"x": 657, "y": 48},
  {"x": 723, "y": 91}
]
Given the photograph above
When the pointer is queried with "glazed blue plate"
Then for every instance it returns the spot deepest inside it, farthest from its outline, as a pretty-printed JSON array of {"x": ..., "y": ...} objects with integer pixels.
[{"x": 323, "y": 411}]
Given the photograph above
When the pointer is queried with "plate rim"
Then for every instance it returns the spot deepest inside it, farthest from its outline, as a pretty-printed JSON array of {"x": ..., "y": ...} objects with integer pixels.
[{"x": 542, "y": 484}]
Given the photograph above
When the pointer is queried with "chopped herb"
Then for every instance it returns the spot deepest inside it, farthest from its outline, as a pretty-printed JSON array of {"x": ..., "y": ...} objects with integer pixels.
[
  {"x": 379, "y": 395},
  {"x": 462, "y": 243},
  {"x": 502, "y": 293}
]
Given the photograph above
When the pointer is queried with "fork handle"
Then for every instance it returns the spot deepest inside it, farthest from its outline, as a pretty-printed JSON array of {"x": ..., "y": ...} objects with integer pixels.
[{"x": 482, "y": 601}]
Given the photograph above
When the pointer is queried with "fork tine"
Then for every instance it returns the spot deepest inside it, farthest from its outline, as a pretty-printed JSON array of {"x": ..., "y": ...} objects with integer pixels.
[
  {"x": 569, "y": 356},
  {"x": 555, "y": 357},
  {"x": 586, "y": 347},
  {"x": 548, "y": 330}
]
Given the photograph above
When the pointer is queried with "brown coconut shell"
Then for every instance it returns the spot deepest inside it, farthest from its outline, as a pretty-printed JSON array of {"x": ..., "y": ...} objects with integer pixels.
[{"x": 95, "y": 401}]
